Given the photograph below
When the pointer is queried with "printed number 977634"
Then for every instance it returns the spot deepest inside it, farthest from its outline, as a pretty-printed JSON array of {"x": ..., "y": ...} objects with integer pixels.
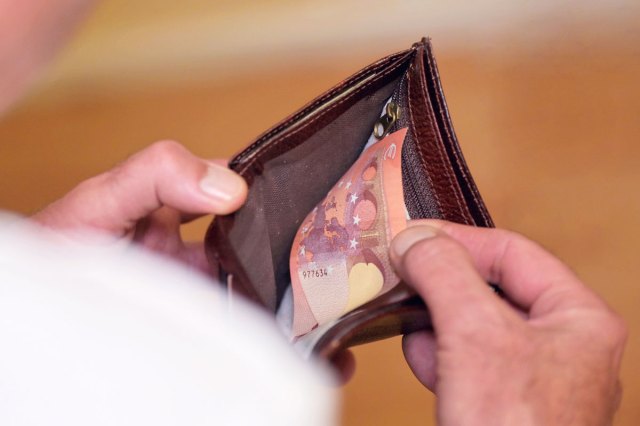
[{"x": 314, "y": 273}]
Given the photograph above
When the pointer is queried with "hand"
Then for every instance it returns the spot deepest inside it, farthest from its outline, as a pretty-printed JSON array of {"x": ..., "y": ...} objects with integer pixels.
[
  {"x": 549, "y": 356},
  {"x": 147, "y": 197}
]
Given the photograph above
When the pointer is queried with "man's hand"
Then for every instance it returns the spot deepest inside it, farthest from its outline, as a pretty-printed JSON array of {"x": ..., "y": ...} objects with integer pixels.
[
  {"x": 147, "y": 197},
  {"x": 551, "y": 355}
]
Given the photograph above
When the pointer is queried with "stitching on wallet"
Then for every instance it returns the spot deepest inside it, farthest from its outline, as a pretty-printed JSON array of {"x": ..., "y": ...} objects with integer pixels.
[
  {"x": 442, "y": 157},
  {"x": 265, "y": 149},
  {"x": 446, "y": 120},
  {"x": 319, "y": 101}
]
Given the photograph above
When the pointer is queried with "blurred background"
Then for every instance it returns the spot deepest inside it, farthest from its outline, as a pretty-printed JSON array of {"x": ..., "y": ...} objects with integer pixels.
[{"x": 544, "y": 95}]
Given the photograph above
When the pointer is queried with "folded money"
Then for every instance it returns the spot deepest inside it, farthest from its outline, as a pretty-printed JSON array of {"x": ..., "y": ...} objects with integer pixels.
[
  {"x": 310, "y": 244},
  {"x": 339, "y": 258}
]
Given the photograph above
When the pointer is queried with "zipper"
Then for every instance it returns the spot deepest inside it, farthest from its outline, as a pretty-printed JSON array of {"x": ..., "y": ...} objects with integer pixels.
[
  {"x": 383, "y": 126},
  {"x": 414, "y": 181}
]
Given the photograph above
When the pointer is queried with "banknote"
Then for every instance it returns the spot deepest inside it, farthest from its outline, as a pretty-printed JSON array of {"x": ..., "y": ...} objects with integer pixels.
[{"x": 339, "y": 258}]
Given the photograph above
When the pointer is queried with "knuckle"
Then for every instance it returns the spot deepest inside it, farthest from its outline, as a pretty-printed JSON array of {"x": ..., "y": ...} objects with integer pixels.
[
  {"x": 436, "y": 260},
  {"x": 616, "y": 329},
  {"x": 608, "y": 328},
  {"x": 517, "y": 241},
  {"x": 435, "y": 248},
  {"x": 163, "y": 155},
  {"x": 165, "y": 150},
  {"x": 512, "y": 238},
  {"x": 85, "y": 191},
  {"x": 440, "y": 256}
]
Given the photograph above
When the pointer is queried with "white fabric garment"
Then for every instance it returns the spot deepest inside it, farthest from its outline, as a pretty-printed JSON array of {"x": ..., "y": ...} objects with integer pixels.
[{"x": 109, "y": 335}]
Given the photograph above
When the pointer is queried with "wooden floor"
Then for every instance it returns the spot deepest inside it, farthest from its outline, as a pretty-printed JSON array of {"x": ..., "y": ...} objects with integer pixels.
[{"x": 551, "y": 138}]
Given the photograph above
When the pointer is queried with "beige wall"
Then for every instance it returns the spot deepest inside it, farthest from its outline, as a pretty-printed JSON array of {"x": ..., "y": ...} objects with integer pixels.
[{"x": 545, "y": 102}]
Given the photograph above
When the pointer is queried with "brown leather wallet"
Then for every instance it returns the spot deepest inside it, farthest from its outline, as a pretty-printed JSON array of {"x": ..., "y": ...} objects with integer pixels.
[{"x": 291, "y": 167}]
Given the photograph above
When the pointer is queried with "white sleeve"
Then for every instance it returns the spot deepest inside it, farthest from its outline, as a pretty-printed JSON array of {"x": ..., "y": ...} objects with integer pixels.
[{"x": 114, "y": 336}]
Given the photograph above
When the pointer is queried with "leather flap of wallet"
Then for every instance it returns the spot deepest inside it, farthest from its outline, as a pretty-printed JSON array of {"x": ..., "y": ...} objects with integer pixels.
[{"x": 291, "y": 167}]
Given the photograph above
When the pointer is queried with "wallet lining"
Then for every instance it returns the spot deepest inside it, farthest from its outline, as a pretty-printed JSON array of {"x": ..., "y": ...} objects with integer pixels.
[
  {"x": 290, "y": 186},
  {"x": 357, "y": 81},
  {"x": 292, "y": 183}
]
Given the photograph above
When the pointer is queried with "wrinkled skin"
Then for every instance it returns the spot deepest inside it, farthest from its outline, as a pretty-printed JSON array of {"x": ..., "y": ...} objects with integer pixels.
[{"x": 550, "y": 356}]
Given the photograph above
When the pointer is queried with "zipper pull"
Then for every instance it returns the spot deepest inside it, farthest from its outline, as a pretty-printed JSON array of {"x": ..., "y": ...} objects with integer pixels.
[{"x": 384, "y": 123}]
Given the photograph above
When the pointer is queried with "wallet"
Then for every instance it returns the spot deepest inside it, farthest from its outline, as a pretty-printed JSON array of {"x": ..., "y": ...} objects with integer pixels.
[{"x": 292, "y": 166}]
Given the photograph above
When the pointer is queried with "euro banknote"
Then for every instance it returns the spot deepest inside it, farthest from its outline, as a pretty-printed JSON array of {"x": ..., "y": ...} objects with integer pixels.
[{"x": 339, "y": 258}]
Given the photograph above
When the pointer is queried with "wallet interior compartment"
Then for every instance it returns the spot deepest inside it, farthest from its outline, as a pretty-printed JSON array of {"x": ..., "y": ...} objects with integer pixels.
[
  {"x": 292, "y": 167},
  {"x": 291, "y": 184}
]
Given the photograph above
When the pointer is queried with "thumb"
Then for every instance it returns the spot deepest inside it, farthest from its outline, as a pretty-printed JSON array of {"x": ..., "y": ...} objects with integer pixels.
[{"x": 442, "y": 272}]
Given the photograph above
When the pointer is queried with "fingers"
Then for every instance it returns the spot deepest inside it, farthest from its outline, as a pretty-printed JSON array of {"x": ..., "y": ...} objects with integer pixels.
[
  {"x": 195, "y": 255},
  {"x": 345, "y": 364},
  {"x": 525, "y": 271},
  {"x": 419, "y": 350},
  {"x": 160, "y": 232},
  {"x": 165, "y": 174},
  {"x": 442, "y": 272}
]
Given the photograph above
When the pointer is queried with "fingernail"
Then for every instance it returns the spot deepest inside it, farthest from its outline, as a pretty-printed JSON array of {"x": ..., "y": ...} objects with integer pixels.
[
  {"x": 222, "y": 184},
  {"x": 410, "y": 236}
]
